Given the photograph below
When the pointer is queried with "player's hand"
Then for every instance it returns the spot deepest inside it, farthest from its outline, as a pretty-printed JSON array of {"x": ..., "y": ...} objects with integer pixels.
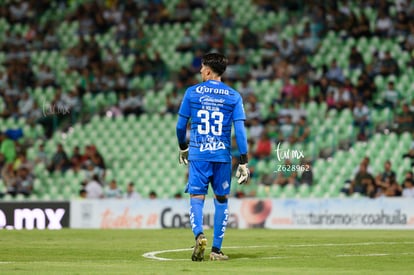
[
  {"x": 242, "y": 173},
  {"x": 183, "y": 158}
]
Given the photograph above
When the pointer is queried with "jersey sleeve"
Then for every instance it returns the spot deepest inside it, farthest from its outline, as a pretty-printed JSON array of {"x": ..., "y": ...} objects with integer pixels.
[
  {"x": 181, "y": 127},
  {"x": 238, "y": 113},
  {"x": 241, "y": 137},
  {"x": 185, "y": 110},
  {"x": 181, "y": 131}
]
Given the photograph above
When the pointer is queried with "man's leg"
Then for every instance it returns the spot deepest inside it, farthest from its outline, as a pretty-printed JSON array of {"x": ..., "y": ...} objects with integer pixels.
[
  {"x": 221, "y": 186},
  {"x": 221, "y": 216},
  {"x": 196, "y": 214},
  {"x": 197, "y": 187},
  {"x": 196, "y": 219}
]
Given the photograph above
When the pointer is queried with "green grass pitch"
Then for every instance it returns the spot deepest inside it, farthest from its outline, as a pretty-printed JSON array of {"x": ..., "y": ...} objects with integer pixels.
[{"x": 253, "y": 251}]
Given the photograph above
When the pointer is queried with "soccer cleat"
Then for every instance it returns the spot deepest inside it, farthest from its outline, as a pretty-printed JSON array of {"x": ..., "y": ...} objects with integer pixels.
[
  {"x": 218, "y": 256},
  {"x": 200, "y": 246}
]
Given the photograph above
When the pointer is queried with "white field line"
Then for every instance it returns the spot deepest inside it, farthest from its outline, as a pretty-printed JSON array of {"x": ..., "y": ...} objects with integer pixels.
[
  {"x": 374, "y": 254},
  {"x": 153, "y": 254}
]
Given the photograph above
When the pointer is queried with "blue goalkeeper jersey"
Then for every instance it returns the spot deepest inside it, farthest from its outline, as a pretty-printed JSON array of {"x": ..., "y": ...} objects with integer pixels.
[{"x": 212, "y": 107}]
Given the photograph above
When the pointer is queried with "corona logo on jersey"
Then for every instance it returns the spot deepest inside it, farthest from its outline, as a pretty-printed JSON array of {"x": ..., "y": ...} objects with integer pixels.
[{"x": 209, "y": 90}]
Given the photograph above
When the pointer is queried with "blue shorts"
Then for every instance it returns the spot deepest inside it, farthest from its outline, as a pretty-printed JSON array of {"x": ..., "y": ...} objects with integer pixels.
[{"x": 201, "y": 173}]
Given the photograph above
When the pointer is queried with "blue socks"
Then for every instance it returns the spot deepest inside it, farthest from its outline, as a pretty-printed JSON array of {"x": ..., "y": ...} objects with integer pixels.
[
  {"x": 221, "y": 216},
  {"x": 196, "y": 215}
]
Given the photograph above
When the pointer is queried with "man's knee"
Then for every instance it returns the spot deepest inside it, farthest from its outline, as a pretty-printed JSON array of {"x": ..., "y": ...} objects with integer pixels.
[
  {"x": 221, "y": 199},
  {"x": 201, "y": 197}
]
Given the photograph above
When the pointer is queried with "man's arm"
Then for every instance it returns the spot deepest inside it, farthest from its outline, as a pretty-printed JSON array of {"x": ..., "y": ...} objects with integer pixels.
[
  {"x": 241, "y": 138},
  {"x": 181, "y": 131},
  {"x": 240, "y": 132},
  {"x": 243, "y": 172},
  {"x": 239, "y": 117}
]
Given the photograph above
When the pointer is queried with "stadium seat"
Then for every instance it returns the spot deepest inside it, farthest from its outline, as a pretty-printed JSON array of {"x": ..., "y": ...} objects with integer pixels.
[
  {"x": 303, "y": 191},
  {"x": 262, "y": 191}
]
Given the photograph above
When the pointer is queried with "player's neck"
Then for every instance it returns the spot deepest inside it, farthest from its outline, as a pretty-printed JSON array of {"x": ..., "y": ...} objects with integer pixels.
[{"x": 217, "y": 78}]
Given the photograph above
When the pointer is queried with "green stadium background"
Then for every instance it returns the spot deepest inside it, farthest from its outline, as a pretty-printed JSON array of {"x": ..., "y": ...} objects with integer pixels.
[{"x": 143, "y": 148}]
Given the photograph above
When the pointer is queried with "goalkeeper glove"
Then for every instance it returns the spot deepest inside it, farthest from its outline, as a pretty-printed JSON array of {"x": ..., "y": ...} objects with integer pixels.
[
  {"x": 183, "y": 158},
  {"x": 243, "y": 172}
]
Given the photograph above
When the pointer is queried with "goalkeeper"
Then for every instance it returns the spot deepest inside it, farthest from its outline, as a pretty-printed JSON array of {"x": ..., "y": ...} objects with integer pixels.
[{"x": 212, "y": 107}]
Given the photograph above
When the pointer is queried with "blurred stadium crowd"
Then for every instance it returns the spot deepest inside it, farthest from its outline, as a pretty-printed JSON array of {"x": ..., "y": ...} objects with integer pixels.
[{"x": 317, "y": 76}]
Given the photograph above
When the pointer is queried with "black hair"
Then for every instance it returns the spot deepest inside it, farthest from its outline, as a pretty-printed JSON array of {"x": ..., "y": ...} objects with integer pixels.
[
  {"x": 95, "y": 177},
  {"x": 409, "y": 180},
  {"x": 216, "y": 61}
]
